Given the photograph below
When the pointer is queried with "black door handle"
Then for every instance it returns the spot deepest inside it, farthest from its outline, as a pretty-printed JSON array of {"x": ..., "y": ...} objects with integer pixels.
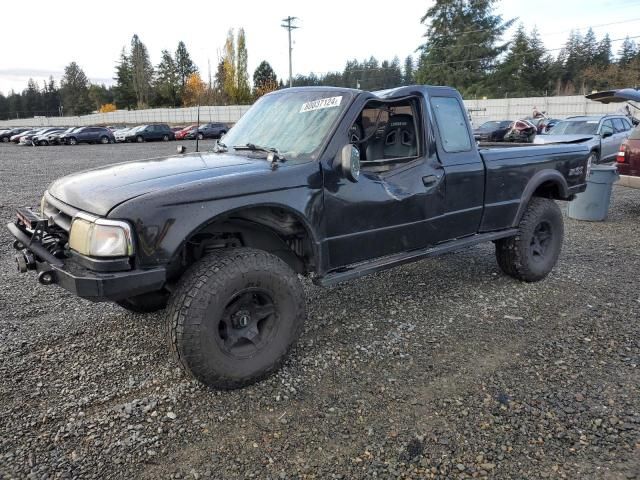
[{"x": 429, "y": 180}]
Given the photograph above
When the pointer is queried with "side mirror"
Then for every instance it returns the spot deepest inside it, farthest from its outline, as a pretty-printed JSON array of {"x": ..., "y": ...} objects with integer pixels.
[
  {"x": 350, "y": 162},
  {"x": 607, "y": 134}
]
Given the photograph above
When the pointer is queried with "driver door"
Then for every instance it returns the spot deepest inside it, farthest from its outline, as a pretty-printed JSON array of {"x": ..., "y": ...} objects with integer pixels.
[
  {"x": 608, "y": 145},
  {"x": 388, "y": 209}
]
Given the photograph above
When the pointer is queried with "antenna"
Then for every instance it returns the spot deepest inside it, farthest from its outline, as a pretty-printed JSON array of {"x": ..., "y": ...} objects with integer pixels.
[{"x": 289, "y": 26}]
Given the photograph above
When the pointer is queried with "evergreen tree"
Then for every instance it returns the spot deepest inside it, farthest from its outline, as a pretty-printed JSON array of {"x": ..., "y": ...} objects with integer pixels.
[
  {"x": 184, "y": 65},
  {"x": 142, "y": 71},
  {"x": 74, "y": 89},
  {"x": 462, "y": 44},
  {"x": 167, "y": 84},
  {"x": 220, "y": 94},
  {"x": 628, "y": 51},
  {"x": 524, "y": 71},
  {"x": 264, "y": 79},
  {"x": 407, "y": 74},
  {"x": 51, "y": 96},
  {"x": 603, "y": 52},
  {"x": 124, "y": 93},
  {"x": 31, "y": 98}
]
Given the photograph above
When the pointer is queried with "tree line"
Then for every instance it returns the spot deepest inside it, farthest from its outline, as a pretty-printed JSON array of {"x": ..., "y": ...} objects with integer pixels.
[{"x": 463, "y": 48}]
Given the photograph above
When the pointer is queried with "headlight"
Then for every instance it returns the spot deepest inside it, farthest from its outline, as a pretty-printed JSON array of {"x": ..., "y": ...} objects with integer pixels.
[{"x": 99, "y": 237}]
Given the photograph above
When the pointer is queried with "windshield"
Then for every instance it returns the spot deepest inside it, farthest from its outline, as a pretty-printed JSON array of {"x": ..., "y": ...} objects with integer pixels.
[
  {"x": 570, "y": 127},
  {"x": 295, "y": 123}
]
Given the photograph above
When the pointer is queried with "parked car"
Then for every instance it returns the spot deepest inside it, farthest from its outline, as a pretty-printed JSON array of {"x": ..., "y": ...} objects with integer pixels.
[
  {"x": 5, "y": 136},
  {"x": 88, "y": 135},
  {"x": 209, "y": 130},
  {"x": 222, "y": 236},
  {"x": 182, "y": 134},
  {"x": 492, "y": 131},
  {"x": 28, "y": 138},
  {"x": 148, "y": 133},
  {"x": 42, "y": 139},
  {"x": 121, "y": 134},
  {"x": 603, "y": 134},
  {"x": 623, "y": 95},
  {"x": 18, "y": 136},
  {"x": 54, "y": 138},
  {"x": 628, "y": 160}
]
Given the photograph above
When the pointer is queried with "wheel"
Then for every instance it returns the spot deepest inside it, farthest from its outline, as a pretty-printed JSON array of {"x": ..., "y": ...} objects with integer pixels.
[
  {"x": 222, "y": 134},
  {"x": 43, "y": 143},
  {"x": 72, "y": 141},
  {"x": 5, "y": 139},
  {"x": 104, "y": 139},
  {"x": 139, "y": 139},
  {"x": 234, "y": 317},
  {"x": 533, "y": 252},
  {"x": 200, "y": 136},
  {"x": 146, "y": 303},
  {"x": 165, "y": 138}
]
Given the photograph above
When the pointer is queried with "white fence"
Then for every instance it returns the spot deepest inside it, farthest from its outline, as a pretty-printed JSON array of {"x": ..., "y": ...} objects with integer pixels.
[
  {"x": 174, "y": 116},
  {"x": 555, "y": 107},
  {"x": 481, "y": 111}
]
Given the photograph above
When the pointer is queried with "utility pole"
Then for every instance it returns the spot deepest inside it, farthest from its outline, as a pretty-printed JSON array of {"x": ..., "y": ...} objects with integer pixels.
[{"x": 289, "y": 26}]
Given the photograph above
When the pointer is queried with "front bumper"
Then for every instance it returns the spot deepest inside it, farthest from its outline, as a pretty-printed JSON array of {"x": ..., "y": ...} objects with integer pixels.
[{"x": 72, "y": 275}]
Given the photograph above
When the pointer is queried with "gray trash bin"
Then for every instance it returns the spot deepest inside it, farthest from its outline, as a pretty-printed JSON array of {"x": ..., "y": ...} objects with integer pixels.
[{"x": 593, "y": 203}]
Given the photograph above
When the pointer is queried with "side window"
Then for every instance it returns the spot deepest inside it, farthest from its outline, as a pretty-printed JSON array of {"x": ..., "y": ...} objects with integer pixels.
[
  {"x": 627, "y": 124},
  {"x": 618, "y": 125},
  {"x": 607, "y": 127},
  {"x": 451, "y": 124},
  {"x": 387, "y": 134}
]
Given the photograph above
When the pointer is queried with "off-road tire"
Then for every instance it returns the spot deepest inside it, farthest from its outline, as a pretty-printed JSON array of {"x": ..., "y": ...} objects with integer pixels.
[
  {"x": 516, "y": 255},
  {"x": 146, "y": 303},
  {"x": 205, "y": 294}
]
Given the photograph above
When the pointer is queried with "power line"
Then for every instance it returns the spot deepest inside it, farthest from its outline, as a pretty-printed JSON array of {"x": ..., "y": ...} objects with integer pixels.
[{"x": 456, "y": 61}]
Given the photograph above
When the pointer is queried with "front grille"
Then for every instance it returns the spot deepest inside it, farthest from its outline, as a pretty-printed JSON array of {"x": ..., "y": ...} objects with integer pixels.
[{"x": 58, "y": 212}]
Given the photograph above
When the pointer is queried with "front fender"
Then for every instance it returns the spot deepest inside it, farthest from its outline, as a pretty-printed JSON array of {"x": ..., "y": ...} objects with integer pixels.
[{"x": 164, "y": 220}]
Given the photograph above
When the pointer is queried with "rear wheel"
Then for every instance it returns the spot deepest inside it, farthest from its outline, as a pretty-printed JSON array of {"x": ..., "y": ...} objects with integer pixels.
[
  {"x": 234, "y": 317},
  {"x": 592, "y": 160},
  {"x": 43, "y": 143},
  {"x": 139, "y": 139},
  {"x": 5, "y": 139},
  {"x": 533, "y": 252},
  {"x": 72, "y": 141},
  {"x": 165, "y": 138}
]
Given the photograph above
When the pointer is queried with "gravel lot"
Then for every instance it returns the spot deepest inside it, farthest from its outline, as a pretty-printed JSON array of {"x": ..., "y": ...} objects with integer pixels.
[{"x": 440, "y": 369}]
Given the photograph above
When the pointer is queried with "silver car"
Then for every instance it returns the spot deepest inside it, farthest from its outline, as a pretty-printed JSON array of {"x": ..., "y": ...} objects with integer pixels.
[{"x": 603, "y": 134}]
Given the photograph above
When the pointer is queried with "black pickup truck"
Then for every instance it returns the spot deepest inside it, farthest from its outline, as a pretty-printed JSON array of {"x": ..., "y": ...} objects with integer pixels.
[{"x": 328, "y": 182}]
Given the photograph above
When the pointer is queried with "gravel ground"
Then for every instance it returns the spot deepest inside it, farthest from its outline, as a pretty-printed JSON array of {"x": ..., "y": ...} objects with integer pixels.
[{"x": 440, "y": 369}]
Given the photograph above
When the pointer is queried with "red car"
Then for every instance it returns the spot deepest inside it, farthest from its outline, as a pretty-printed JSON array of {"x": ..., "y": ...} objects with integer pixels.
[
  {"x": 628, "y": 159},
  {"x": 181, "y": 134}
]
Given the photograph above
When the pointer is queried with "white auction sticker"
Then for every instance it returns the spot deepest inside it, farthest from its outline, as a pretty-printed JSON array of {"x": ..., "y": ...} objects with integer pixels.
[{"x": 320, "y": 104}]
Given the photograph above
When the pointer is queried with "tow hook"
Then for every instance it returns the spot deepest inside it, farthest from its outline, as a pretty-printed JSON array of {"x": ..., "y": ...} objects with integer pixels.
[
  {"x": 47, "y": 278},
  {"x": 25, "y": 261}
]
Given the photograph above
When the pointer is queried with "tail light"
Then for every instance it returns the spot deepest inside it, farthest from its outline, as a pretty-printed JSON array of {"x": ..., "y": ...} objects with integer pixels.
[{"x": 622, "y": 154}]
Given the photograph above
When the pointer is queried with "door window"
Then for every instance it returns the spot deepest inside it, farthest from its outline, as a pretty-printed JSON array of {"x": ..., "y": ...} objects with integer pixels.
[
  {"x": 618, "y": 125},
  {"x": 607, "y": 126}
]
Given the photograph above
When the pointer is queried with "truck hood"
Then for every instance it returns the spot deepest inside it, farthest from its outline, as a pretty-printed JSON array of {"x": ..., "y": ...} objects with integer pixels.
[
  {"x": 99, "y": 190},
  {"x": 573, "y": 138}
]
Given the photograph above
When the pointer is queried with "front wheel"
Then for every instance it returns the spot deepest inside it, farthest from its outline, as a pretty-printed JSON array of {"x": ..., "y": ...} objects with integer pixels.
[
  {"x": 5, "y": 139},
  {"x": 165, "y": 138},
  {"x": 533, "y": 252},
  {"x": 234, "y": 317},
  {"x": 72, "y": 141},
  {"x": 139, "y": 139},
  {"x": 200, "y": 136},
  {"x": 104, "y": 140}
]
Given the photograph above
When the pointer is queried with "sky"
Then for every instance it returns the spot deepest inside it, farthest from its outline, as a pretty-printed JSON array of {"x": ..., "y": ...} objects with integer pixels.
[{"x": 331, "y": 32}]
